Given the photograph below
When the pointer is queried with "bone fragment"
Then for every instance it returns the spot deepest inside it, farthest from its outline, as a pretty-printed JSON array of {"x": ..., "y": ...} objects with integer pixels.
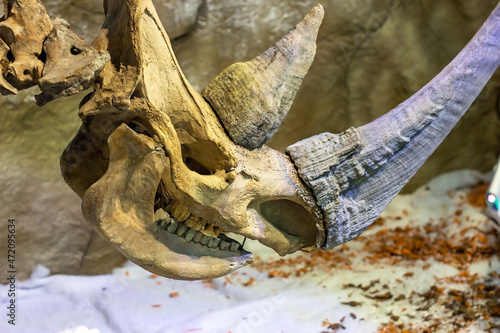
[
  {"x": 24, "y": 29},
  {"x": 354, "y": 175},
  {"x": 5, "y": 87},
  {"x": 252, "y": 98},
  {"x": 71, "y": 64}
]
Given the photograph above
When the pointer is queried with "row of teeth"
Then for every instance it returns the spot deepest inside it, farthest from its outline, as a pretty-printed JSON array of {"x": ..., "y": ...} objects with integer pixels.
[{"x": 193, "y": 229}]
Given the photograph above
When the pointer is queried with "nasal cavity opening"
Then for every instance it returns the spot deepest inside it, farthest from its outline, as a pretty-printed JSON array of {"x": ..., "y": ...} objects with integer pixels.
[{"x": 291, "y": 218}]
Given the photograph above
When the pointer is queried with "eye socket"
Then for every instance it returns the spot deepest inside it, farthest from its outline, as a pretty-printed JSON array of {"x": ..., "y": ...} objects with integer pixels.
[
  {"x": 75, "y": 51},
  {"x": 139, "y": 128}
]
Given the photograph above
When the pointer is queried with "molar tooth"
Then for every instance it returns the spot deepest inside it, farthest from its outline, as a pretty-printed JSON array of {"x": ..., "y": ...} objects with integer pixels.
[
  {"x": 190, "y": 235},
  {"x": 215, "y": 243},
  {"x": 196, "y": 223},
  {"x": 204, "y": 239},
  {"x": 212, "y": 230},
  {"x": 224, "y": 245},
  {"x": 234, "y": 246},
  {"x": 163, "y": 223},
  {"x": 197, "y": 237},
  {"x": 180, "y": 212},
  {"x": 173, "y": 226},
  {"x": 209, "y": 230},
  {"x": 160, "y": 214},
  {"x": 181, "y": 229}
]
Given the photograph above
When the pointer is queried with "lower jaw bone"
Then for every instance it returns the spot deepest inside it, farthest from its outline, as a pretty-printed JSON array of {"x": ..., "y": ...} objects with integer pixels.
[{"x": 120, "y": 207}]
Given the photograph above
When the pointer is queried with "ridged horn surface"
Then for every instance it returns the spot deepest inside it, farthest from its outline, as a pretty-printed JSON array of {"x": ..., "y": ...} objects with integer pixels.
[
  {"x": 354, "y": 175},
  {"x": 252, "y": 98}
]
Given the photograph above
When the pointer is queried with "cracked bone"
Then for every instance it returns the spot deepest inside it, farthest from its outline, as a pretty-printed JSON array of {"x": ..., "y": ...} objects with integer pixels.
[
  {"x": 23, "y": 29},
  {"x": 36, "y": 51},
  {"x": 146, "y": 131},
  {"x": 71, "y": 64},
  {"x": 5, "y": 87}
]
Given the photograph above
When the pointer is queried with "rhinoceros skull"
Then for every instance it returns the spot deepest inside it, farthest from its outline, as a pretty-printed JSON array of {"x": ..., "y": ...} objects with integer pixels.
[{"x": 165, "y": 173}]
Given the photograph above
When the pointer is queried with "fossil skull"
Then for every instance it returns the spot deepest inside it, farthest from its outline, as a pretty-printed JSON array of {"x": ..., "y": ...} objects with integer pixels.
[
  {"x": 164, "y": 173},
  {"x": 158, "y": 175}
]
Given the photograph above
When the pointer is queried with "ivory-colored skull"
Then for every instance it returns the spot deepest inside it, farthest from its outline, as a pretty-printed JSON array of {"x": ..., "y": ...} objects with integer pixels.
[{"x": 164, "y": 173}]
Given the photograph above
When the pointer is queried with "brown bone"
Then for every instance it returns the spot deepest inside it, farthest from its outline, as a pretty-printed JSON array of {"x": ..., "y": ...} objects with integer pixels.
[
  {"x": 24, "y": 29},
  {"x": 36, "y": 51}
]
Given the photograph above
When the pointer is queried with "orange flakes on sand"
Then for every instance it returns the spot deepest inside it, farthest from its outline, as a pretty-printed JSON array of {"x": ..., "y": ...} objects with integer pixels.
[
  {"x": 325, "y": 323},
  {"x": 174, "y": 294},
  {"x": 249, "y": 282},
  {"x": 156, "y": 305},
  {"x": 153, "y": 276},
  {"x": 159, "y": 282},
  {"x": 476, "y": 194},
  {"x": 127, "y": 273},
  {"x": 390, "y": 328},
  {"x": 458, "y": 240}
]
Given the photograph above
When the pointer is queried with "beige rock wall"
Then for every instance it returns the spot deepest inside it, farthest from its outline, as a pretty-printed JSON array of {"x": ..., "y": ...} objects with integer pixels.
[{"x": 372, "y": 54}]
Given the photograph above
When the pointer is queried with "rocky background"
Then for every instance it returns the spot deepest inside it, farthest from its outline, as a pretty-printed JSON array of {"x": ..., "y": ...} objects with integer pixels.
[{"x": 372, "y": 55}]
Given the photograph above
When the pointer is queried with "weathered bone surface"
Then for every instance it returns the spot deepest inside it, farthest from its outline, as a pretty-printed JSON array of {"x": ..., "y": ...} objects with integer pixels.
[
  {"x": 166, "y": 184},
  {"x": 34, "y": 51},
  {"x": 252, "y": 98},
  {"x": 23, "y": 30},
  {"x": 71, "y": 65},
  {"x": 355, "y": 174}
]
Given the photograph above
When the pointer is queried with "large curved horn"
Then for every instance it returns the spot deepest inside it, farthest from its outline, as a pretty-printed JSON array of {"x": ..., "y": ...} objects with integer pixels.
[
  {"x": 252, "y": 98},
  {"x": 355, "y": 174}
]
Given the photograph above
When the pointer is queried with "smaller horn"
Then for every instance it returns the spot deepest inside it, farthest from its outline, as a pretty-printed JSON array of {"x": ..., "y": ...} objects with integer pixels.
[{"x": 252, "y": 98}]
